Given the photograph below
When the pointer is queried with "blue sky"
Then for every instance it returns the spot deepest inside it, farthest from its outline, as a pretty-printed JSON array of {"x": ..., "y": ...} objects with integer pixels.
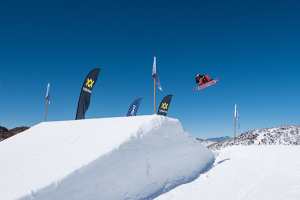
[{"x": 251, "y": 46}]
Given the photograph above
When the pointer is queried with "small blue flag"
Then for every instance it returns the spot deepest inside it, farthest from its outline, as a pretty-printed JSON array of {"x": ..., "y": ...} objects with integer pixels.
[{"x": 155, "y": 75}]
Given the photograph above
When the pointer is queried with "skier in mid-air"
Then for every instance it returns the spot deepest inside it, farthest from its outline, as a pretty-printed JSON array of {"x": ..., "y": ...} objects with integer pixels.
[{"x": 203, "y": 81}]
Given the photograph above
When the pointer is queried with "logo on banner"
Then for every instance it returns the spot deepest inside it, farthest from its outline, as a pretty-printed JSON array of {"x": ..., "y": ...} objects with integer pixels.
[
  {"x": 89, "y": 83},
  {"x": 164, "y": 106}
]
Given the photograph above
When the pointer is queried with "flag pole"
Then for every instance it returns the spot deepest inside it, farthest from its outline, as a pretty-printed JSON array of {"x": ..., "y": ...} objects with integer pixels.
[
  {"x": 47, "y": 101},
  {"x": 46, "y": 110},
  {"x": 154, "y": 95},
  {"x": 235, "y": 122}
]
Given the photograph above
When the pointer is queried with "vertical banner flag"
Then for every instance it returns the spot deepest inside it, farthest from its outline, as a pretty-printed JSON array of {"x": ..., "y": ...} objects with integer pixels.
[
  {"x": 85, "y": 94},
  {"x": 164, "y": 105},
  {"x": 47, "y": 101},
  {"x": 155, "y": 75},
  {"x": 134, "y": 106}
]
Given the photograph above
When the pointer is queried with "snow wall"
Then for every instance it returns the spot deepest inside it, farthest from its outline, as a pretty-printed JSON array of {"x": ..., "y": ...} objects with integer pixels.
[{"x": 109, "y": 158}]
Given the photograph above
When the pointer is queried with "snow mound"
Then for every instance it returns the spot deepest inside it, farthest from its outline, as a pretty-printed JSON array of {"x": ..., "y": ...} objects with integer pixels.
[
  {"x": 246, "y": 173},
  {"x": 285, "y": 135},
  {"x": 110, "y": 158}
]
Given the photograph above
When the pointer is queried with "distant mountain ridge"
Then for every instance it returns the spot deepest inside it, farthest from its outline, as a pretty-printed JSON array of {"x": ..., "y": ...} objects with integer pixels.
[
  {"x": 6, "y": 133},
  {"x": 210, "y": 141},
  {"x": 284, "y": 135},
  {"x": 218, "y": 139}
]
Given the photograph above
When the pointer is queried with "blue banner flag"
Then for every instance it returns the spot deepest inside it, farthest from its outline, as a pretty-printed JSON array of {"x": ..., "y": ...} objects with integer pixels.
[{"x": 134, "y": 106}]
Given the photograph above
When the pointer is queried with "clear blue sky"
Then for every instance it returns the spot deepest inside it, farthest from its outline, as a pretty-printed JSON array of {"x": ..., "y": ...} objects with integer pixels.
[{"x": 251, "y": 46}]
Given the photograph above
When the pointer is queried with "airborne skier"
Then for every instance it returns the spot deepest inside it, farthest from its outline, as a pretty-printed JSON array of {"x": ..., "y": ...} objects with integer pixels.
[{"x": 203, "y": 81}]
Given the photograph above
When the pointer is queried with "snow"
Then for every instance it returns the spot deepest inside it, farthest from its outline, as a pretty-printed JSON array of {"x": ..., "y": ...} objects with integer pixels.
[
  {"x": 109, "y": 158},
  {"x": 205, "y": 142},
  {"x": 260, "y": 172}
]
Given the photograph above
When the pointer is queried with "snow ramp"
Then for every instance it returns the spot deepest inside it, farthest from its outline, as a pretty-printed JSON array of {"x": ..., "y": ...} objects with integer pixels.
[{"x": 109, "y": 158}]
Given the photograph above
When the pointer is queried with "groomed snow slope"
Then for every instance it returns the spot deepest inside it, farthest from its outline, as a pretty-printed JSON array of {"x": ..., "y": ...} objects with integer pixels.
[
  {"x": 247, "y": 173},
  {"x": 109, "y": 158}
]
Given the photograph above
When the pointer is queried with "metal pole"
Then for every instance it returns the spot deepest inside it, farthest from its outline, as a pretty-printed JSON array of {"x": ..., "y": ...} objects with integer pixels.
[
  {"x": 46, "y": 110},
  {"x": 154, "y": 95},
  {"x": 235, "y": 121},
  {"x": 47, "y": 101}
]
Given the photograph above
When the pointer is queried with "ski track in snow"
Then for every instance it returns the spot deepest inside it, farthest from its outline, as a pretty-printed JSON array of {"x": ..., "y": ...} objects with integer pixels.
[{"x": 246, "y": 173}]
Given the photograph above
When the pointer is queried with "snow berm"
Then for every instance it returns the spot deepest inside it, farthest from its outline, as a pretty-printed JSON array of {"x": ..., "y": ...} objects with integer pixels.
[{"x": 109, "y": 158}]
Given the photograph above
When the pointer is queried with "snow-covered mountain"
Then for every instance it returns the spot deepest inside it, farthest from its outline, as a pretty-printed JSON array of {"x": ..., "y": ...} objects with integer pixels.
[{"x": 285, "y": 135}]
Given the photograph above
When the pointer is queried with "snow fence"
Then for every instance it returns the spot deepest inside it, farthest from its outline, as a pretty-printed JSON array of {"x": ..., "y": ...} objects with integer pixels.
[{"x": 110, "y": 158}]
